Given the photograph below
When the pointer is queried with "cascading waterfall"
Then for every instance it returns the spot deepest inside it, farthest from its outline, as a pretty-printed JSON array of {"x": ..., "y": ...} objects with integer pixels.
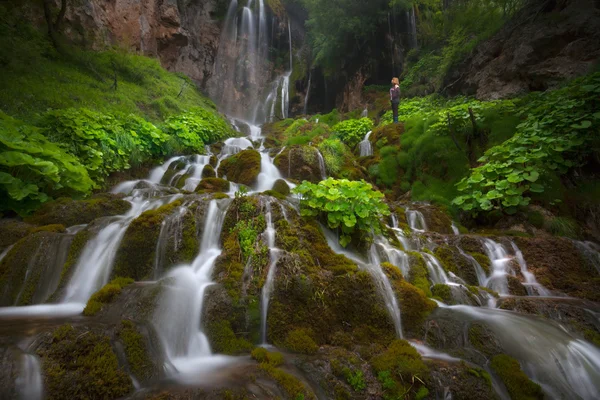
[
  {"x": 322, "y": 168},
  {"x": 307, "y": 93},
  {"x": 565, "y": 367},
  {"x": 455, "y": 229},
  {"x": 416, "y": 220},
  {"x": 500, "y": 266},
  {"x": 171, "y": 234},
  {"x": 274, "y": 256},
  {"x": 366, "y": 149},
  {"x": 29, "y": 382},
  {"x": 534, "y": 288},
  {"x": 373, "y": 267},
  {"x": 590, "y": 250},
  {"x": 178, "y": 317}
]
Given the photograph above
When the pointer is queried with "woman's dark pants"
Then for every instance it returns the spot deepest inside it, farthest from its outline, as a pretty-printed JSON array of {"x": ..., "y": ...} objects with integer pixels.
[{"x": 395, "y": 111}]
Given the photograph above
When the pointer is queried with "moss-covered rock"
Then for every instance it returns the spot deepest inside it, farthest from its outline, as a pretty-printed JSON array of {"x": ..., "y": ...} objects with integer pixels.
[
  {"x": 30, "y": 271},
  {"x": 225, "y": 341},
  {"x": 443, "y": 293},
  {"x": 213, "y": 185},
  {"x": 69, "y": 212},
  {"x": 401, "y": 370},
  {"x": 136, "y": 256},
  {"x": 483, "y": 339},
  {"x": 519, "y": 386},
  {"x": 12, "y": 230},
  {"x": 453, "y": 261},
  {"x": 281, "y": 186},
  {"x": 80, "y": 363},
  {"x": 300, "y": 163},
  {"x": 463, "y": 381},
  {"x": 300, "y": 341},
  {"x": 208, "y": 172},
  {"x": 262, "y": 355},
  {"x": 419, "y": 275},
  {"x": 515, "y": 287},
  {"x": 107, "y": 294},
  {"x": 55, "y": 228},
  {"x": 242, "y": 167},
  {"x": 136, "y": 351},
  {"x": 559, "y": 266}
]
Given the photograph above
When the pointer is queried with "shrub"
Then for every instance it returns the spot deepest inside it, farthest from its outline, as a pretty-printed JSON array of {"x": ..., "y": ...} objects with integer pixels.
[
  {"x": 197, "y": 128},
  {"x": 353, "y": 131},
  {"x": 346, "y": 205},
  {"x": 33, "y": 170}
]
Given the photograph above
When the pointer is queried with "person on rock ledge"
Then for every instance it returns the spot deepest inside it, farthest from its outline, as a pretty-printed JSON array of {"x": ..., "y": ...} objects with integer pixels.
[{"x": 395, "y": 97}]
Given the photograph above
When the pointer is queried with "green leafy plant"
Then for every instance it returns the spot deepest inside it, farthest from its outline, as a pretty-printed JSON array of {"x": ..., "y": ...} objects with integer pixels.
[
  {"x": 355, "y": 379},
  {"x": 345, "y": 205},
  {"x": 197, "y": 128},
  {"x": 246, "y": 233},
  {"x": 352, "y": 131},
  {"x": 34, "y": 170},
  {"x": 559, "y": 128}
]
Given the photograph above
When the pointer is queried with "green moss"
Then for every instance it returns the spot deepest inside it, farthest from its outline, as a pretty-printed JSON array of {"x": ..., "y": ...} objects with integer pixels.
[
  {"x": 300, "y": 341},
  {"x": 107, "y": 294},
  {"x": 419, "y": 275},
  {"x": 208, "y": 172},
  {"x": 443, "y": 293},
  {"x": 453, "y": 261},
  {"x": 242, "y": 167},
  {"x": 400, "y": 363},
  {"x": 294, "y": 388},
  {"x": 135, "y": 350},
  {"x": 281, "y": 186},
  {"x": 262, "y": 355},
  {"x": 482, "y": 260},
  {"x": 519, "y": 386},
  {"x": 223, "y": 340},
  {"x": 299, "y": 163},
  {"x": 69, "y": 212},
  {"x": 55, "y": 228},
  {"x": 136, "y": 256},
  {"x": 483, "y": 339},
  {"x": 275, "y": 194},
  {"x": 80, "y": 365},
  {"x": 212, "y": 185}
]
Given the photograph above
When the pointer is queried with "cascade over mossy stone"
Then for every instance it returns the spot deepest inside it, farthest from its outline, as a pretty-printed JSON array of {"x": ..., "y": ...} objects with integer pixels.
[
  {"x": 69, "y": 212},
  {"x": 208, "y": 172},
  {"x": 519, "y": 386},
  {"x": 300, "y": 163},
  {"x": 137, "y": 253},
  {"x": 280, "y": 186},
  {"x": 242, "y": 167},
  {"x": 213, "y": 185}
]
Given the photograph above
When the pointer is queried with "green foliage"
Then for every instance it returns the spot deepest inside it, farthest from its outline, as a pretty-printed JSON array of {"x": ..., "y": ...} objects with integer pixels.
[
  {"x": 356, "y": 380},
  {"x": 300, "y": 341},
  {"x": 519, "y": 386},
  {"x": 105, "y": 295},
  {"x": 562, "y": 226},
  {"x": 247, "y": 234},
  {"x": 261, "y": 355},
  {"x": 346, "y": 205},
  {"x": 557, "y": 135},
  {"x": 197, "y": 128},
  {"x": 352, "y": 131},
  {"x": 329, "y": 119},
  {"x": 334, "y": 153},
  {"x": 33, "y": 170}
]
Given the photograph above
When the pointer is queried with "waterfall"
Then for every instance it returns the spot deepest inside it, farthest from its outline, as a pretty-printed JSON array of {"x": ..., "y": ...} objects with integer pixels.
[
  {"x": 500, "y": 264},
  {"x": 365, "y": 147},
  {"x": 365, "y": 113},
  {"x": 171, "y": 233},
  {"x": 437, "y": 274},
  {"x": 455, "y": 229},
  {"x": 322, "y": 168},
  {"x": 94, "y": 266},
  {"x": 178, "y": 317},
  {"x": 534, "y": 288},
  {"x": 274, "y": 256},
  {"x": 30, "y": 385},
  {"x": 194, "y": 172},
  {"x": 590, "y": 250},
  {"x": 5, "y": 252},
  {"x": 416, "y": 220},
  {"x": 307, "y": 93},
  {"x": 285, "y": 80},
  {"x": 373, "y": 267},
  {"x": 481, "y": 276},
  {"x": 413, "y": 28},
  {"x": 564, "y": 366}
]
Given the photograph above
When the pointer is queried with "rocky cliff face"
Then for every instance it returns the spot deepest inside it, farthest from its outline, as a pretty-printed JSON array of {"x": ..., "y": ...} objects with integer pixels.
[
  {"x": 548, "y": 42},
  {"x": 183, "y": 34}
]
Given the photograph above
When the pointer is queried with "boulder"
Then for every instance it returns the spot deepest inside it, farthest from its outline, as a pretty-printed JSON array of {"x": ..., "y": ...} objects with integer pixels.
[{"x": 242, "y": 167}]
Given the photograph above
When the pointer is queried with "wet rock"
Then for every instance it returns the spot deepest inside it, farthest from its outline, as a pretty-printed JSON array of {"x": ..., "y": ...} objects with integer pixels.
[
  {"x": 461, "y": 381},
  {"x": 136, "y": 256},
  {"x": 242, "y": 167},
  {"x": 12, "y": 230},
  {"x": 69, "y": 212},
  {"x": 30, "y": 273},
  {"x": 280, "y": 186},
  {"x": 559, "y": 266},
  {"x": 212, "y": 185},
  {"x": 300, "y": 163}
]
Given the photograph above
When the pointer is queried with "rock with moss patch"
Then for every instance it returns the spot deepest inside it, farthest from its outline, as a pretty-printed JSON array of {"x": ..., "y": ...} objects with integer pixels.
[
  {"x": 281, "y": 186},
  {"x": 12, "y": 230},
  {"x": 69, "y": 212},
  {"x": 106, "y": 294},
  {"x": 300, "y": 163},
  {"x": 462, "y": 381},
  {"x": 31, "y": 271},
  {"x": 242, "y": 167},
  {"x": 87, "y": 359},
  {"x": 136, "y": 351},
  {"x": 208, "y": 172},
  {"x": 213, "y": 185},
  {"x": 519, "y": 386},
  {"x": 136, "y": 257}
]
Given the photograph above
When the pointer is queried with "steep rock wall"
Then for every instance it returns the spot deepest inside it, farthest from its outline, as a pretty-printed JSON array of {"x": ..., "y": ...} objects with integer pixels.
[
  {"x": 183, "y": 34},
  {"x": 548, "y": 42}
]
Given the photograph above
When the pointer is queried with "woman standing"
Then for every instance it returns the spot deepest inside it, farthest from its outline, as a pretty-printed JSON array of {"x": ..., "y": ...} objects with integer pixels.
[{"x": 395, "y": 98}]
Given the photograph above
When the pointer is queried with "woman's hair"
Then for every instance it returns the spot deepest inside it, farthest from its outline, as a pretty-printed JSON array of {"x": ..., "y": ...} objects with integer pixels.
[{"x": 395, "y": 81}]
